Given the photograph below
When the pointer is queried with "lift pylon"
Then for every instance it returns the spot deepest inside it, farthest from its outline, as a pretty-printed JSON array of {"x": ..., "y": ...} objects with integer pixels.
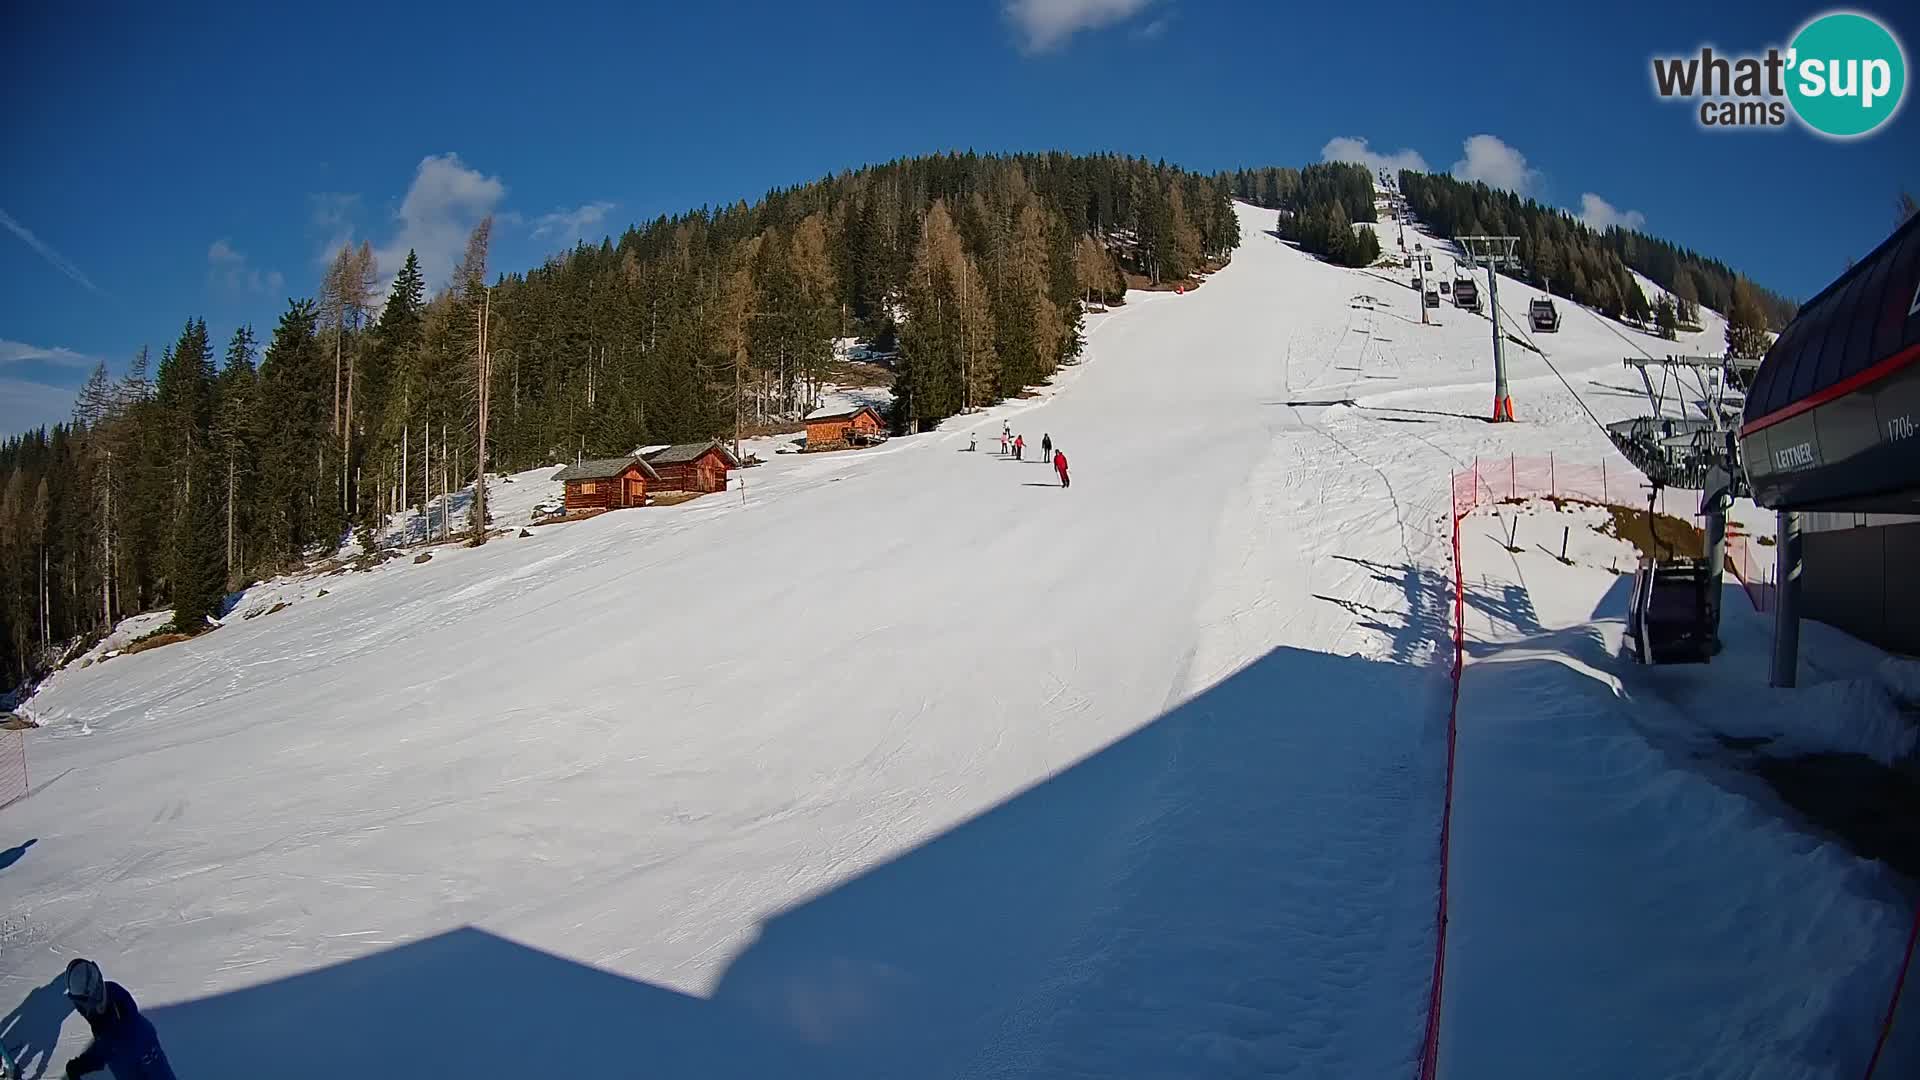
[{"x": 1495, "y": 252}]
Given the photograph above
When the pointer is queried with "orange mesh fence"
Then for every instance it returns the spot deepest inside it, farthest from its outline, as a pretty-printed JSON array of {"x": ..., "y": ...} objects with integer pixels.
[
  {"x": 1493, "y": 480},
  {"x": 13, "y": 766}
]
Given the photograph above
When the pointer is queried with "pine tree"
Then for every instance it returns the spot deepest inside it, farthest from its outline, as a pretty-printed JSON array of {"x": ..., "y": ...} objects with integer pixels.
[
  {"x": 185, "y": 392},
  {"x": 235, "y": 445},
  {"x": 1095, "y": 275},
  {"x": 1686, "y": 300},
  {"x": 1664, "y": 318},
  {"x": 931, "y": 381},
  {"x": 1746, "y": 323},
  {"x": 1182, "y": 249},
  {"x": 1365, "y": 249}
]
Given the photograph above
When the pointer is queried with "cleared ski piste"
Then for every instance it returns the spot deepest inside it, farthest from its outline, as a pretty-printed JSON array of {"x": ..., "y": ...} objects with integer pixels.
[
  {"x": 904, "y": 763},
  {"x": 1629, "y": 898}
]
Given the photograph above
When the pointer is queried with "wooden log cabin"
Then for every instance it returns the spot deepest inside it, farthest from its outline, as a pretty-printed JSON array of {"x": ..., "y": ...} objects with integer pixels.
[
  {"x": 607, "y": 483},
  {"x": 700, "y": 466},
  {"x": 834, "y": 429}
]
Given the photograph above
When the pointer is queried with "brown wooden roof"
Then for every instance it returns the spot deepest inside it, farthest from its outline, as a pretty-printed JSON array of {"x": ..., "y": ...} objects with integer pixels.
[
  {"x": 828, "y": 418},
  {"x": 604, "y": 469},
  {"x": 683, "y": 453}
]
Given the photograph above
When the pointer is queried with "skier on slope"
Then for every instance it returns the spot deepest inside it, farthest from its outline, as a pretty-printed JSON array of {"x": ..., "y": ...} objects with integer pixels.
[
  {"x": 124, "y": 1042},
  {"x": 1046, "y": 447},
  {"x": 1019, "y": 445},
  {"x": 973, "y": 441},
  {"x": 1004, "y": 440},
  {"x": 1060, "y": 466}
]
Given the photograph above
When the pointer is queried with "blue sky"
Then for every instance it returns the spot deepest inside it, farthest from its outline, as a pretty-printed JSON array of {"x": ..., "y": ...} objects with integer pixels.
[{"x": 169, "y": 164}]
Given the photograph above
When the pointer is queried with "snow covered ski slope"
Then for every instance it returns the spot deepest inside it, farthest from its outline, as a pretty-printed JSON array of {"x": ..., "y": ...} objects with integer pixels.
[
  {"x": 1619, "y": 862},
  {"x": 901, "y": 762}
]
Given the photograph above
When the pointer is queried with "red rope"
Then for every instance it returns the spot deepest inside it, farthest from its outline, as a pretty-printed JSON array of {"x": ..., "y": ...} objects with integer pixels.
[
  {"x": 1430, "y": 1044},
  {"x": 1430, "y": 1049},
  {"x": 1886, "y": 1025}
]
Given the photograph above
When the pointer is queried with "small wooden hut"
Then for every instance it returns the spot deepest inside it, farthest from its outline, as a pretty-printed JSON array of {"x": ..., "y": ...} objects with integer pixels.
[
  {"x": 700, "y": 466},
  {"x": 607, "y": 483},
  {"x": 832, "y": 429}
]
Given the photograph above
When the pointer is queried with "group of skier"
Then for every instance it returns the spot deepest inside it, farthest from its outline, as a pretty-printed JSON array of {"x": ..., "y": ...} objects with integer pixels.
[{"x": 1015, "y": 446}]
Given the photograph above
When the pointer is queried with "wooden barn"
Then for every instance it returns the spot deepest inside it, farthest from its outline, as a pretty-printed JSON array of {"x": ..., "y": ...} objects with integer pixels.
[
  {"x": 608, "y": 483},
  {"x": 831, "y": 430},
  {"x": 700, "y": 466}
]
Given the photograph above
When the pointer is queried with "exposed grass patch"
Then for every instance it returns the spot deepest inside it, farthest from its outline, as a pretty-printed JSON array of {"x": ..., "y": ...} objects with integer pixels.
[
  {"x": 159, "y": 638},
  {"x": 1657, "y": 536}
]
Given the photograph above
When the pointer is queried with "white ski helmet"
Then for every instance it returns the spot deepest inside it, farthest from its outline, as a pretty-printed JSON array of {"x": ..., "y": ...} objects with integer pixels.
[{"x": 85, "y": 988}]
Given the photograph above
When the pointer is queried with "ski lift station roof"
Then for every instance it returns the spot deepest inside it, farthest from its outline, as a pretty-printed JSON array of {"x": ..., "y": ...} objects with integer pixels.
[{"x": 1832, "y": 421}]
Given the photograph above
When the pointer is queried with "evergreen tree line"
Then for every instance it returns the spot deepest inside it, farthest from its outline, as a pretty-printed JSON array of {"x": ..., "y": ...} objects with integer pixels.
[
  {"x": 1318, "y": 207},
  {"x": 1321, "y": 185},
  {"x": 180, "y": 481},
  {"x": 1586, "y": 265}
]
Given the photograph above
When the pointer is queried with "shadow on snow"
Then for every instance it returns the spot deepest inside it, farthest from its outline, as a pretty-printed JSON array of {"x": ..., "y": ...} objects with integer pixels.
[{"x": 1215, "y": 883}]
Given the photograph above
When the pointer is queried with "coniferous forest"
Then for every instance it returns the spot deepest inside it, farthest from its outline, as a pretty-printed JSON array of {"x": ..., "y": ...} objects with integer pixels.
[
  {"x": 1589, "y": 266},
  {"x": 220, "y": 463},
  {"x": 1319, "y": 206}
]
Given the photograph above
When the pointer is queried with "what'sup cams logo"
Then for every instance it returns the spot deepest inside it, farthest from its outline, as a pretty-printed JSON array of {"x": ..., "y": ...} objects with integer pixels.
[{"x": 1843, "y": 75}]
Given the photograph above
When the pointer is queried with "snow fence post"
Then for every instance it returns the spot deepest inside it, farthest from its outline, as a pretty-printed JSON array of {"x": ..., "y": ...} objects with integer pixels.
[
  {"x": 1553, "y": 482},
  {"x": 1604, "y": 497},
  {"x": 1513, "y": 477}
]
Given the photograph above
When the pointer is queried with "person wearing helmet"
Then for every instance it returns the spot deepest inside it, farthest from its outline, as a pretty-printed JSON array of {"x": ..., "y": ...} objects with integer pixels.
[{"x": 124, "y": 1042}]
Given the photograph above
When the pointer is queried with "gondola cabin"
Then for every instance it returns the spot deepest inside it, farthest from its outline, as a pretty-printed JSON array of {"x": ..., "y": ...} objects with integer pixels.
[
  {"x": 834, "y": 429},
  {"x": 701, "y": 466},
  {"x": 1433, "y": 299},
  {"x": 1544, "y": 315},
  {"x": 1466, "y": 292},
  {"x": 1669, "y": 619},
  {"x": 607, "y": 483}
]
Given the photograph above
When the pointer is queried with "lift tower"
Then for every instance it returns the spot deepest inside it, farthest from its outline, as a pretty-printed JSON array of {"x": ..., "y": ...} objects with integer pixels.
[{"x": 1496, "y": 252}]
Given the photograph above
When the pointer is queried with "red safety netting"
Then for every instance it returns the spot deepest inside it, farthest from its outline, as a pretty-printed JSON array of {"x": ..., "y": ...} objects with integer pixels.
[{"x": 1491, "y": 481}]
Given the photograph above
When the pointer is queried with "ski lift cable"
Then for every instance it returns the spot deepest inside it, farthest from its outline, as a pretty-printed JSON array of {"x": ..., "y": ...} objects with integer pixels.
[{"x": 1535, "y": 346}]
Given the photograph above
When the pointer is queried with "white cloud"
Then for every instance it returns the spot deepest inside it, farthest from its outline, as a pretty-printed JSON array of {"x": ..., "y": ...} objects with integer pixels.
[
  {"x": 333, "y": 214},
  {"x": 570, "y": 225},
  {"x": 1598, "y": 213},
  {"x": 1044, "y": 24},
  {"x": 442, "y": 205},
  {"x": 1497, "y": 165},
  {"x": 228, "y": 267},
  {"x": 1356, "y": 150},
  {"x": 25, "y": 405},
  {"x": 19, "y": 352},
  {"x": 1153, "y": 30},
  {"x": 55, "y": 259}
]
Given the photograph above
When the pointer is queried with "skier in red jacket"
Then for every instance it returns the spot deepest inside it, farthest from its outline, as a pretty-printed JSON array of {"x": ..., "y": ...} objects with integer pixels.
[{"x": 1060, "y": 466}]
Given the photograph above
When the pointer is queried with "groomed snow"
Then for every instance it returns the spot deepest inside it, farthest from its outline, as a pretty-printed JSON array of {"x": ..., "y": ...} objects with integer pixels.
[
  {"x": 1629, "y": 897},
  {"x": 898, "y": 761}
]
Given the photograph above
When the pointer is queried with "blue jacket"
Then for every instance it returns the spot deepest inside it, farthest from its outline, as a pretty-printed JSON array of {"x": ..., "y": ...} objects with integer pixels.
[{"x": 124, "y": 1042}]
